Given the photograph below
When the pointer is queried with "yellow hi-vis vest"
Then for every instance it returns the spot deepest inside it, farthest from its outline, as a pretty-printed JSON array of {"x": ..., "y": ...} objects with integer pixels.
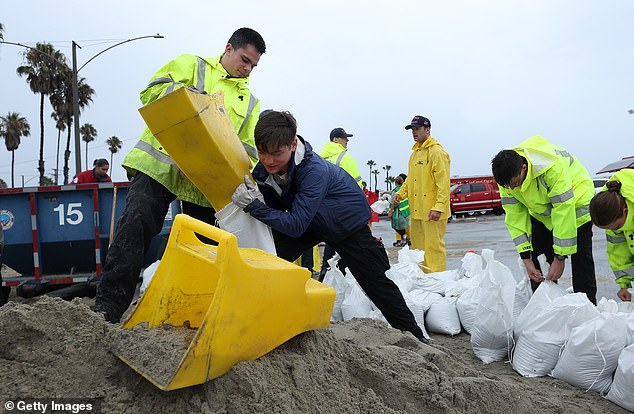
[
  {"x": 337, "y": 154},
  {"x": 205, "y": 75},
  {"x": 557, "y": 191},
  {"x": 620, "y": 244}
]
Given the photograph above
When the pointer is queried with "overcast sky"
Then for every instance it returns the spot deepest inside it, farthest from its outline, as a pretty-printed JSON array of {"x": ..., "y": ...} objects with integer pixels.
[{"x": 488, "y": 74}]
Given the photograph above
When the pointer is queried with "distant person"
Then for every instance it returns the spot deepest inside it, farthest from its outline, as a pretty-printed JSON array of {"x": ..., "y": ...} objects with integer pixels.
[
  {"x": 336, "y": 152},
  {"x": 399, "y": 214},
  {"x": 372, "y": 198},
  {"x": 427, "y": 190},
  {"x": 98, "y": 174},
  {"x": 612, "y": 209},
  {"x": 157, "y": 181},
  {"x": 308, "y": 200},
  {"x": 545, "y": 193}
]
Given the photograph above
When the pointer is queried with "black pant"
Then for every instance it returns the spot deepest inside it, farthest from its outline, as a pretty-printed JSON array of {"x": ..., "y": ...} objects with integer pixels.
[
  {"x": 147, "y": 203},
  {"x": 583, "y": 275},
  {"x": 366, "y": 258}
]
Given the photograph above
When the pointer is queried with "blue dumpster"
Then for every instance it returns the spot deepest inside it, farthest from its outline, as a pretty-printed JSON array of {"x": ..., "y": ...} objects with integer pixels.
[{"x": 60, "y": 234}]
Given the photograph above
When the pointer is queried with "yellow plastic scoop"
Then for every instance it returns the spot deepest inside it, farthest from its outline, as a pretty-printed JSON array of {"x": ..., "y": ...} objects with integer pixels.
[
  {"x": 243, "y": 302},
  {"x": 197, "y": 133}
]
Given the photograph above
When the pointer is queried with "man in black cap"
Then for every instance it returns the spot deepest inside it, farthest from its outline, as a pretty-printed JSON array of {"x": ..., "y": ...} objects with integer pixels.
[
  {"x": 336, "y": 152},
  {"x": 427, "y": 190}
]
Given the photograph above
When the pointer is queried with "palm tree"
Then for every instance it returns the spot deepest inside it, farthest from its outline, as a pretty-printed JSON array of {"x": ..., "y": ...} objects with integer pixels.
[
  {"x": 60, "y": 124},
  {"x": 12, "y": 128},
  {"x": 371, "y": 164},
  {"x": 114, "y": 145},
  {"x": 389, "y": 180},
  {"x": 387, "y": 169},
  {"x": 40, "y": 72},
  {"x": 62, "y": 102},
  {"x": 376, "y": 176},
  {"x": 1, "y": 31},
  {"x": 88, "y": 134}
]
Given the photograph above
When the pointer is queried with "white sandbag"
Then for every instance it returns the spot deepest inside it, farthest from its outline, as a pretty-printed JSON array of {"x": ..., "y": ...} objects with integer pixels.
[
  {"x": 541, "y": 299},
  {"x": 523, "y": 291},
  {"x": 438, "y": 282},
  {"x": 418, "y": 310},
  {"x": 467, "y": 307},
  {"x": 356, "y": 304},
  {"x": 249, "y": 231},
  {"x": 621, "y": 390},
  {"x": 591, "y": 352},
  {"x": 407, "y": 255},
  {"x": 404, "y": 275},
  {"x": 380, "y": 206},
  {"x": 148, "y": 274},
  {"x": 423, "y": 298},
  {"x": 442, "y": 317},
  {"x": 607, "y": 305},
  {"x": 340, "y": 283},
  {"x": 539, "y": 344},
  {"x": 492, "y": 333}
]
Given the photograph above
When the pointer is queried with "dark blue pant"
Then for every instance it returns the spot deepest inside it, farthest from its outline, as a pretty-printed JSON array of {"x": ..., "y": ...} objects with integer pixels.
[{"x": 366, "y": 258}]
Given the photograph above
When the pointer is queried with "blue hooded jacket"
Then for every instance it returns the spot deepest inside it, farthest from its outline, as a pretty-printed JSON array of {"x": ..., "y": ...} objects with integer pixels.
[{"x": 319, "y": 197}]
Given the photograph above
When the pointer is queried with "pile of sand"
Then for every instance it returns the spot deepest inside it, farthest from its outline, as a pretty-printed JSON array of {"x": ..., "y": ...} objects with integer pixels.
[{"x": 56, "y": 349}]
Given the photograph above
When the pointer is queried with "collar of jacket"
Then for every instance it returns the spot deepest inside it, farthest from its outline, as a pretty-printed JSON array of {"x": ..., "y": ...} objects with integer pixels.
[
  {"x": 215, "y": 63},
  {"x": 428, "y": 143}
]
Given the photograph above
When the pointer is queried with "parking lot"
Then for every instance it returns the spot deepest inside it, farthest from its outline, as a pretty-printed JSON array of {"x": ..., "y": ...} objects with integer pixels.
[{"x": 489, "y": 232}]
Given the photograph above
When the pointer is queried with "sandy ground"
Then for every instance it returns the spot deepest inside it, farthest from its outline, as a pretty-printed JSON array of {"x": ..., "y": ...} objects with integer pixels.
[{"x": 50, "y": 348}]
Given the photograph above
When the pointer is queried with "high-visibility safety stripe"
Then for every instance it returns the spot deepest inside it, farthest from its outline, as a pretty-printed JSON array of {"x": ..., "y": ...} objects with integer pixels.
[
  {"x": 626, "y": 272},
  {"x": 565, "y": 242},
  {"x": 339, "y": 158},
  {"x": 543, "y": 181},
  {"x": 158, "y": 81},
  {"x": 582, "y": 211},
  {"x": 615, "y": 239},
  {"x": 253, "y": 100},
  {"x": 520, "y": 239},
  {"x": 509, "y": 200},
  {"x": 358, "y": 178},
  {"x": 562, "y": 197},
  {"x": 547, "y": 212},
  {"x": 565, "y": 154},
  {"x": 200, "y": 82},
  {"x": 164, "y": 158}
]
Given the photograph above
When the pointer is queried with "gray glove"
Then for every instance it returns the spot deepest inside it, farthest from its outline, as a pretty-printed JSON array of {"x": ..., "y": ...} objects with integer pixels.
[{"x": 246, "y": 193}]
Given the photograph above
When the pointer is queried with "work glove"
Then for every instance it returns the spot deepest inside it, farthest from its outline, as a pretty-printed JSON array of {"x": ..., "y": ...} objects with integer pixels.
[{"x": 246, "y": 193}]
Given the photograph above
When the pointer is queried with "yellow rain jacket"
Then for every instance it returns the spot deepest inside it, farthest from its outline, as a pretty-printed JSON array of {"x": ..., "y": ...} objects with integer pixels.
[
  {"x": 557, "y": 191},
  {"x": 337, "y": 154},
  {"x": 205, "y": 75},
  {"x": 427, "y": 184},
  {"x": 621, "y": 241}
]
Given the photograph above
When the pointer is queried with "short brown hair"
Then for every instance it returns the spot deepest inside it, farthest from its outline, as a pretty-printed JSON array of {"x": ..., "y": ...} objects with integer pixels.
[{"x": 275, "y": 130}]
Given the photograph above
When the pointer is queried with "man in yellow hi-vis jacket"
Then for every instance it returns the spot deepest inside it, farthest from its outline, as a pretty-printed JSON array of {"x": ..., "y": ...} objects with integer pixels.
[
  {"x": 157, "y": 181},
  {"x": 427, "y": 190},
  {"x": 545, "y": 193}
]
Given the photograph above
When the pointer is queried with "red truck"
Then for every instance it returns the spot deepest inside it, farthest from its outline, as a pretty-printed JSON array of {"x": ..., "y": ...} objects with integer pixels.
[{"x": 475, "y": 195}]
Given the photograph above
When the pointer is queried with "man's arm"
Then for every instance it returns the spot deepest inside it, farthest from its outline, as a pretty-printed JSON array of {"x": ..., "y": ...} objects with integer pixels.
[
  {"x": 177, "y": 73},
  {"x": 311, "y": 189},
  {"x": 440, "y": 169},
  {"x": 563, "y": 213}
]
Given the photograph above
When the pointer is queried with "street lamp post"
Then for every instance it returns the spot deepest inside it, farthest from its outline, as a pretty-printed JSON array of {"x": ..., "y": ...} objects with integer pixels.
[
  {"x": 76, "y": 91},
  {"x": 75, "y": 81}
]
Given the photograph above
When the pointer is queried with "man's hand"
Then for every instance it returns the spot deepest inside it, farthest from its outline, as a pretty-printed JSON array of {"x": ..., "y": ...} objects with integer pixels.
[
  {"x": 556, "y": 269},
  {"x": 396, "y": 199},
  {"x": 246, "y": 193},
  {"x": 534, "y": 274},
  {"x": 434, "y": 215},
  {"x": 624, "y": 294}
]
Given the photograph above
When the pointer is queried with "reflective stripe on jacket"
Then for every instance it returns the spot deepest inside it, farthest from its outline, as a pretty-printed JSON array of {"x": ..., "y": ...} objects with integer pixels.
[
  {"x": 620, "y": 244},
  {"x": 205, "y": 75},
  {"x": 337, "y": 154},
  {"x": 427, "y": 184},
  {"x": 557, "y": 191}
]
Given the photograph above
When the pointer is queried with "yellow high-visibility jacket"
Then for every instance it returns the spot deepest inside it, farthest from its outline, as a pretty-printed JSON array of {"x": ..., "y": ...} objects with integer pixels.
[
  {"x": 621, "y": 242},
  {"x": 203, "y": 74},
  {"x": 557, "y": 191},
  {"x": 337, "y": 154},
  {"x": 427, "y": 184}
]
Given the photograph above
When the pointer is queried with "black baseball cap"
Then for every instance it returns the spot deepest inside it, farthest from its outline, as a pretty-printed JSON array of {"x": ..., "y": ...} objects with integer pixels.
[
  {"x": 419, "y": 121},
  {"x": 339, "y": 133}
]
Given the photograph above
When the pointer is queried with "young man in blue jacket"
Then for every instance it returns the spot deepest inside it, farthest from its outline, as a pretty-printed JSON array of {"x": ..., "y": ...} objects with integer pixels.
[{"x": 307, "y": 200}]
